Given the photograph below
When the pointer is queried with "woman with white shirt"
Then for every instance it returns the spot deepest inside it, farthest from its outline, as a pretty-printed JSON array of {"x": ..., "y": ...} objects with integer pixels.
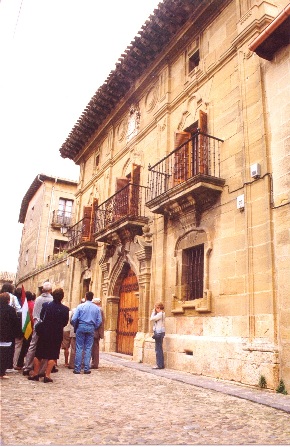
[{"x": 158, "y": 316}]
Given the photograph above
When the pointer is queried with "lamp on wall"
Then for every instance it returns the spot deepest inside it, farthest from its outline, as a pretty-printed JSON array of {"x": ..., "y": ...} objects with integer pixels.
[{"x": 63, "y": 230}]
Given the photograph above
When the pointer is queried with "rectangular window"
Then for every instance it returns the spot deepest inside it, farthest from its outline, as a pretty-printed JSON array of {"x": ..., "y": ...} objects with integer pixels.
[
  {"x": 193, "y": 61},
  {"x": 59, "y": 246},
  {"x": 97, "y": 160},
  {"x": 193, "y": 268},
  {"x": 64, "y": 212},
  {"x": 26, "y": 257}
]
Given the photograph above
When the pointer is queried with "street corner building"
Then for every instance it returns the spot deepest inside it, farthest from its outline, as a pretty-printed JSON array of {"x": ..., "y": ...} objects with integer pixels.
[{"x": 183, "y": 194}]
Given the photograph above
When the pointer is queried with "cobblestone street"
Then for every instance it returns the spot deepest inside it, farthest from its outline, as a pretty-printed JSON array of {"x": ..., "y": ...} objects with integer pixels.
[{"x": 128, "y": 403}]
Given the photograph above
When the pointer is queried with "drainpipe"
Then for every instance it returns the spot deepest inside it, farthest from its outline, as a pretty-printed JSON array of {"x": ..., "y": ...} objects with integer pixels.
[
  {"x": 40, "y": 220},
  {"x": 48, "y": 221}
]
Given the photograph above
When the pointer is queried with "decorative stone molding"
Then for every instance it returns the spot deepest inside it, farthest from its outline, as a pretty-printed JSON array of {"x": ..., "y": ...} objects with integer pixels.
[
  {"x": 133, "y": 121},
  {"x": 190, "y": 238},
  {"x": 201, "y": 305},
  {"x": 121, "y": 130},
  {"x": 151, "y": 99}
]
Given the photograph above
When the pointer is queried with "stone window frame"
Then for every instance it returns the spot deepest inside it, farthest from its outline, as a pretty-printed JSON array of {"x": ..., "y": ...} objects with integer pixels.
[{"x": 197, "y": 236}]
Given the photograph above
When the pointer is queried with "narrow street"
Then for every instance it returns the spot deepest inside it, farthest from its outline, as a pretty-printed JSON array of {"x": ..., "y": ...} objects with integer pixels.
[{"x": 128, "y": 403}]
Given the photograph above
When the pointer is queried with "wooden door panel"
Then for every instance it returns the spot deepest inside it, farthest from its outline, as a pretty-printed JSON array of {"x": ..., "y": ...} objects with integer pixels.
[
  {"x": 182, "y": 157},
  {"x": 128, "y": 314}
]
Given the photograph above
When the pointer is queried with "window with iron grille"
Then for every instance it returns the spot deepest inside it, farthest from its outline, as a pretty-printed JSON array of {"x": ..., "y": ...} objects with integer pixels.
[{"x": 193, "y": 272}]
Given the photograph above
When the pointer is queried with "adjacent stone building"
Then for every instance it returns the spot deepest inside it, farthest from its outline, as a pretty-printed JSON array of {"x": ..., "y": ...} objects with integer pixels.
[
  {"x": 184, "y": 190},
  {"x": 47, "y": 212},
  {"x": 6, "y": 277}
]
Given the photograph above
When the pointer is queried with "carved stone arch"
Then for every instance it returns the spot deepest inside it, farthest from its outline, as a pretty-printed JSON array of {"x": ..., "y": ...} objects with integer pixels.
[
  {"x": 132, "y": 263},
  {"x": 137, "y": 156},
  {"x": 189, "y": 114},
  {"x": 94, "y": 194},
  {"x": 197, "y": 231},
  {"x": 126, "y": 167},
  {"x": 118, "y": 273},
  {"x": 181, "y": 124}
]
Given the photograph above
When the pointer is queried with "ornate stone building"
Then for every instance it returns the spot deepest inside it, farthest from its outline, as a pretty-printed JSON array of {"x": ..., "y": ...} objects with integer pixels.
[
  {"x": 47, "y": 212},
  {"x": 184, "y": 190}
]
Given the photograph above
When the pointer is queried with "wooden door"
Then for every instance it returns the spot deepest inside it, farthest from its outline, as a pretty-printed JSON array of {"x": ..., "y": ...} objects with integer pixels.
[
  {"x": 87, "y": 224},
  {"x": 134, "y": 191},
  {"x": 182, "y": 157},
  {"x": 128, "y": 314},
  {"x": 121, "y": 206},
  {"x": 203, "y": 150}
]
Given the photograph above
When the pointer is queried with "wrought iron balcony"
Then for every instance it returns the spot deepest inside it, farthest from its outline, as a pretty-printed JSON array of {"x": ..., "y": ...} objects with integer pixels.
[
  {"x": 61, "y": 219},
  {"x": 81, "y": 241},
  {"x": 187, "y": 177},
  {"x": 122, "y": 215}
]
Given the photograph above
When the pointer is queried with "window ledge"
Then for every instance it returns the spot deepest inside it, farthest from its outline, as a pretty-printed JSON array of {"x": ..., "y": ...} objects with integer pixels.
[{"x": 201, "y": 305}]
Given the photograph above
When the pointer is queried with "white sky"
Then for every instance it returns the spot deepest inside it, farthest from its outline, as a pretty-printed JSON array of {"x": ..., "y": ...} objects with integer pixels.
[{"x": 55, "y": 54}]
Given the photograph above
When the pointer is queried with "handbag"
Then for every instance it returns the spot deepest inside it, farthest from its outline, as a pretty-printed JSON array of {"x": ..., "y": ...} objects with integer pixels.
[
  {"x": 157, "y": 335},
  {"x": 76, "y": 325},
  {"x": 39, "y": 327}
]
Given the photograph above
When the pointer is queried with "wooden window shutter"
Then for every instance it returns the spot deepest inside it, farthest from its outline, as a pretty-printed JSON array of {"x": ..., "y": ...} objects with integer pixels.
[
  {"x": 202, "y": 122},
  {"x": 87, "y": 221},
  {"x": 121, "y": 183},
  {"x": 121, "y": 199},
  {"x": 182, "y": 157},
  {"x": 135, "y": 190},
  {"x": 202, "y": 149},
  {"x": 136, "y": 171}
]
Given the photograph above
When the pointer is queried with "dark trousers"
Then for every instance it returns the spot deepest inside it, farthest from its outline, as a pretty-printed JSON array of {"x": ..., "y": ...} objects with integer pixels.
[
  {"x": 159, "y": 351},
  {"x": 6, "y": 354}
]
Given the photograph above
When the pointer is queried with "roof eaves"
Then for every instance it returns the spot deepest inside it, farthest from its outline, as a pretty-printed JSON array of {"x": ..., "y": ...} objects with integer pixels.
[
  {"x": 160, "y": 27},
  {"x": 273, "y": 36},
  {"x": 35, "y": 185}
]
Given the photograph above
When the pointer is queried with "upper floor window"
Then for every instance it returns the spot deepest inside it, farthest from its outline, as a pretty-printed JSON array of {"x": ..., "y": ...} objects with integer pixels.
[
  {"x": 193, "y": 61},
  {"x": 97, "y": 160},
  {"x": 64, "y": 212},
  {"x": 59, "y": 246},
  {"x": 26, "y": 257}
]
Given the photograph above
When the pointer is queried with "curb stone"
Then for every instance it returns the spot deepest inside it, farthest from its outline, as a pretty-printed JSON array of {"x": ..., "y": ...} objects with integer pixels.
[{"x": 263, "y": 397}]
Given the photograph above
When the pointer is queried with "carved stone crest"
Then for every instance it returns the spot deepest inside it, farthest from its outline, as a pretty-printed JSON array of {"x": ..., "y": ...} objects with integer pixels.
[{"x": 133, "y": 122}]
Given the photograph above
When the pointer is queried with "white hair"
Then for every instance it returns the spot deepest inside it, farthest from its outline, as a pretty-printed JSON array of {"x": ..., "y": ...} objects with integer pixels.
[{"x": 46, "y": 286}]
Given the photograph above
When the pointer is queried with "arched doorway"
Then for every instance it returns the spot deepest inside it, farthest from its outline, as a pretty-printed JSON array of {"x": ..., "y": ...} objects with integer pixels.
[{"x": 127, "y": 314}]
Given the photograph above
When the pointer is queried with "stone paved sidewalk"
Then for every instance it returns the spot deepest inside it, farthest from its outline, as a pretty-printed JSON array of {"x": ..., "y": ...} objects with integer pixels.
[
  {"x": 264, "y": 397},
  {"x": 125, "y": 403}
]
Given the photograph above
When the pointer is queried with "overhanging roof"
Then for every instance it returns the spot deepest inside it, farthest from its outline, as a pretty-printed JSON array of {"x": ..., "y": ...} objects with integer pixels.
[
  {"x": 275, "y": 36},
  {"x": 154, "y": 35},
  {"x": 35, "y": 185}
]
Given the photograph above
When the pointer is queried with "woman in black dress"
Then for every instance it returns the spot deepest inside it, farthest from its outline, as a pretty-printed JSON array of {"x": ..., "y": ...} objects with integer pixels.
[
  {"x": 55, "y": 317},
  {"x": 8, "y": 331}
]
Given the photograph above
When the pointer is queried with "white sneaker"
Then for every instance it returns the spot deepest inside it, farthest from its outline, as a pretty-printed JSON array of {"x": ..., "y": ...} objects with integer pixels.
[{"x": 11, "y": 371}]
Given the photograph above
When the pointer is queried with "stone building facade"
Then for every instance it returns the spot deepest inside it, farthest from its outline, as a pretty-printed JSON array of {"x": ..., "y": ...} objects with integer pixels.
[
  {"x": 184, "y": 191},
  {"x": 47, "y": 212}
]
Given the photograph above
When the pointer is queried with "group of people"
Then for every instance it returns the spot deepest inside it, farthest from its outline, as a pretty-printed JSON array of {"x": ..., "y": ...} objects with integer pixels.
[
  {"x": 54, "y": 326},
  {"x": 13, "y": 344}
]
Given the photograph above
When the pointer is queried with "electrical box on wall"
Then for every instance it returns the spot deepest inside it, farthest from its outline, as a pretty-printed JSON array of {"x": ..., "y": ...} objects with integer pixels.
[
  {"x": 241, "y": 202},
  {"x": 256, "y": 170}
]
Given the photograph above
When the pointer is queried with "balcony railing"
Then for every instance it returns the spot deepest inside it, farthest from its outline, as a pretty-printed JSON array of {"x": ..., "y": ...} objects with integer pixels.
[
  {"x": 198, "y": 157},
  {"x": 126, "y": 205},
  {"x": 61, "y": 219},
  {"x": 80, "y": 233}
]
